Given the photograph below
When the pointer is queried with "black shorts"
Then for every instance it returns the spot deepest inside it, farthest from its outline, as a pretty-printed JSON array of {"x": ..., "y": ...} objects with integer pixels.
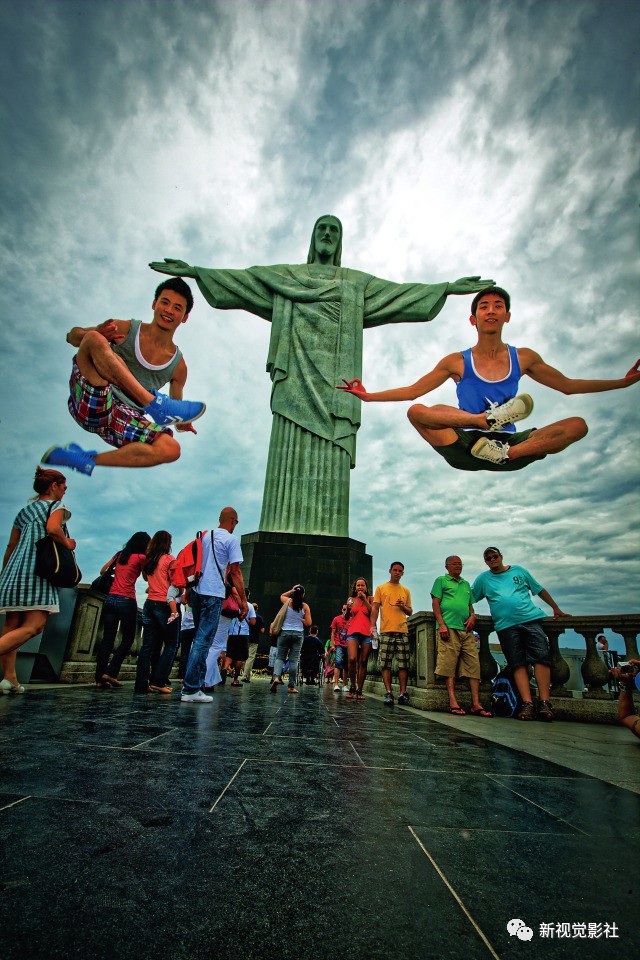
[{"x": 458, "y": 454}]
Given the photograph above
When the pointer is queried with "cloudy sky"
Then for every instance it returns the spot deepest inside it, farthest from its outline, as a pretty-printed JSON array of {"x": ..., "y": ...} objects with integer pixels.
[{"x": 452, "y": 137}]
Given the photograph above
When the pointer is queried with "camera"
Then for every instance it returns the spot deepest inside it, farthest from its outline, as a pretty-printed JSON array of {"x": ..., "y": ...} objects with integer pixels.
[{"x": 629, "y": 668}]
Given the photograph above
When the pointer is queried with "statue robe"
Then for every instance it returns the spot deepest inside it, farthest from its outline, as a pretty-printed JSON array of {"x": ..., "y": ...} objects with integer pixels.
[{"x": 317, "y": 316}]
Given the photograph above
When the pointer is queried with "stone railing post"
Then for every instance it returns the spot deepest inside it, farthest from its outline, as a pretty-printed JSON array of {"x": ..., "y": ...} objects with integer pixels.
[
  {"x": 593, "y": 670},
  {"x": 630, "y": 642},
  {"x": 423, "y": 646},
  {"x": 560, "y": 671},
  {"x": 488, "y": 665}
]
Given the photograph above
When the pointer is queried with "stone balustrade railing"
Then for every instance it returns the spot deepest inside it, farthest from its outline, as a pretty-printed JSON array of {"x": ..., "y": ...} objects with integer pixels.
[
  {"x": 69, "y": 653},
  {"x": 593, "y": 703}
]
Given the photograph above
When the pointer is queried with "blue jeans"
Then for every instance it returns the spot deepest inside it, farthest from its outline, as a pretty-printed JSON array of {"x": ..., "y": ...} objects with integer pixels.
[
  {"x": 159, "y": 640},
  {"x": 206, "y": 614},
  {"x": 122, "y": 611},
  {"x": 289, "y": 641}
]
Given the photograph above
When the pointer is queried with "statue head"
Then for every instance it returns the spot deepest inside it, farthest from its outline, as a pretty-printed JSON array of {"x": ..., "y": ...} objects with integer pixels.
[{"x": 326, "y": 241}]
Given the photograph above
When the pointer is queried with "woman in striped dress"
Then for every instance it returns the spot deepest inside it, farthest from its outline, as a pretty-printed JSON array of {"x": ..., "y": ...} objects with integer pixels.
[{"x": 26, "y": 599}]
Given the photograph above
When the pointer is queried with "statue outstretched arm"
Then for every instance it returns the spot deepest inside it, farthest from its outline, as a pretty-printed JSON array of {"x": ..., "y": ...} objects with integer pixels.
[
  {"x": 467, "y": 285},
  {"x": 175, "y": 268}
]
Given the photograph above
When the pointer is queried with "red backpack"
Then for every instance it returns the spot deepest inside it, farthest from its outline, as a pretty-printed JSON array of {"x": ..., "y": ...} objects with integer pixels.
[{"x": 186, "y": 569}]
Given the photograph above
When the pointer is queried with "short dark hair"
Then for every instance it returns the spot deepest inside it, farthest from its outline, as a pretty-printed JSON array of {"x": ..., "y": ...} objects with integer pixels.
[
  {"x": 497, "y": 291},
  {"x": 178, "y": 285},
  {"x": 396, "y": 563}
]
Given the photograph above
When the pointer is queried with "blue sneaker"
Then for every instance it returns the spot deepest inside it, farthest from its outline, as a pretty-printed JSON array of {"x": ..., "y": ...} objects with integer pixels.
[
  {"x": 164, "y": 409},
  {"x": 70, "y": 456},
  {"x": 89, "y": 453}
]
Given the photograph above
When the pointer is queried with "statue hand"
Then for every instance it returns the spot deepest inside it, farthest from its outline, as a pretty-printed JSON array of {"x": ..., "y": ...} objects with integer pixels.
[
  {"x": 175, "y": 268},
  {"x": 356, "y": 387},
  {"x": 469, "y": 285}
]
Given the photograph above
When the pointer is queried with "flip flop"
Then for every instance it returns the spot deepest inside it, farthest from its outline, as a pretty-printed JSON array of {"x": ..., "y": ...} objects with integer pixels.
[
  {"x": 458, "y": 711},
  {"x": 480, "y": 712}
]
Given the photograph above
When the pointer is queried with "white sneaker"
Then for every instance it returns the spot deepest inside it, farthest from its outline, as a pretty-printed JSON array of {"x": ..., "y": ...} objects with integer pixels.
[
  {"x": 7, "y": 687},
  {"x": 197, "y": 697},
  {"x": 336, "y": 689},
  {"x": 492, "y": 450},
  {"x": 513, "y": 410}
]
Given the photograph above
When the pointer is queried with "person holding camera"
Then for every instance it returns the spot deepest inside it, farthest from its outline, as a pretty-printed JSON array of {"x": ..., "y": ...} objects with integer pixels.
[{"x": 626, "y": 674}]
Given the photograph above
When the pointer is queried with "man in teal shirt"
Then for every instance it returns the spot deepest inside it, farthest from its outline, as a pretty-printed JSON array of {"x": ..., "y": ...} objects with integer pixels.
[
  {"x": 457, "y": 650},
  {"x": 516, "y": 619}
]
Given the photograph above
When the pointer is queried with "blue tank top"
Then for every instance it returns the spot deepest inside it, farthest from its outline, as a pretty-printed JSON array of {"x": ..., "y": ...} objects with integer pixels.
[{"x": 475, "y": 394}]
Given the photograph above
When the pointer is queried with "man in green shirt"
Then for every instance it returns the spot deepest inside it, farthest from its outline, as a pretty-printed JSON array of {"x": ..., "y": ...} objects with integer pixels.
[{"x": 457, "y": 650}]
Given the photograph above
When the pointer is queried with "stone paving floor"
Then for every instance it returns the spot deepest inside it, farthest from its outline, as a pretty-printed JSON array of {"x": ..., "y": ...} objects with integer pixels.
[{"x": 284, "y": 826}]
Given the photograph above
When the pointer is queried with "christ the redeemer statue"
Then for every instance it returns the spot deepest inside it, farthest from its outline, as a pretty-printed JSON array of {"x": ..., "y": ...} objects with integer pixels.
[{"x": 318, "y": 311}]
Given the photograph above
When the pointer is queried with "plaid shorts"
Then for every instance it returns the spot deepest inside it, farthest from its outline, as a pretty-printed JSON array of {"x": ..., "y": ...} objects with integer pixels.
[
  {"x": 391, "y": 643},
  {"x": 98, "y": 411}
]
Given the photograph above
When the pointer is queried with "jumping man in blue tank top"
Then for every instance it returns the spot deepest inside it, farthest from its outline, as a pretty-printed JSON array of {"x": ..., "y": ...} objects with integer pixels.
[
  {"x": 479, "y": 434},
  {"x": 117, "y": 372}
]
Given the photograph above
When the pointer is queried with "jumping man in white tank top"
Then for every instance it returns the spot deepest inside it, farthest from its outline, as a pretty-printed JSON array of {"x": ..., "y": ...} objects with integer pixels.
[{"x": 117, "y": 372}]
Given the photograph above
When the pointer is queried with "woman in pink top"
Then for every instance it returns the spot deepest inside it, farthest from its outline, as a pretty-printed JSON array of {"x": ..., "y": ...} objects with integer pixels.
[
  {"x": 358, "y": 617},
  {"x": 120, "y": 609},
  {"x": 159, "y": 638}
]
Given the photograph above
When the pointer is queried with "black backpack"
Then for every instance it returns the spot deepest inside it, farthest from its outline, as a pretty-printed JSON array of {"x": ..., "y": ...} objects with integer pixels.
[{"x": 505, "y": 699}]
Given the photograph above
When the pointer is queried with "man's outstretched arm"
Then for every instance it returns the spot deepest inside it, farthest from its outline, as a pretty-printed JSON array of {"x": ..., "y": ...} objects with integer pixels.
[
  {"x": 532, "y": 364},
  {"x": 447, "y": 367}
]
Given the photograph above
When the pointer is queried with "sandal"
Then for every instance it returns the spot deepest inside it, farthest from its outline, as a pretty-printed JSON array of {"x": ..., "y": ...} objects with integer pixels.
[
  {"x": 351, "y": 694},
  {"x": 360, "y": 695},
  {"x": 274, "y": 684},
  {"x": 480, "y": 712},
  {"x": 457, "y": 711}
]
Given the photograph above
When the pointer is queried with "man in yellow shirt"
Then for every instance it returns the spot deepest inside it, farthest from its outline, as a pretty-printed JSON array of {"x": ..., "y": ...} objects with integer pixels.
[{"x": 393, "y": 603}]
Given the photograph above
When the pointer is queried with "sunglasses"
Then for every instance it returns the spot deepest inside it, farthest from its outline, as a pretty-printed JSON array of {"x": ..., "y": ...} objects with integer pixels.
[{"x": 492, "y": 556}]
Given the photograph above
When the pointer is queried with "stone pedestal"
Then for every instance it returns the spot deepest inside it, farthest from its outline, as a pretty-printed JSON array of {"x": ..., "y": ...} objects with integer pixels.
[
  {"x": 325, "y": 566},
  {"x": 84, "y": 637}
]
